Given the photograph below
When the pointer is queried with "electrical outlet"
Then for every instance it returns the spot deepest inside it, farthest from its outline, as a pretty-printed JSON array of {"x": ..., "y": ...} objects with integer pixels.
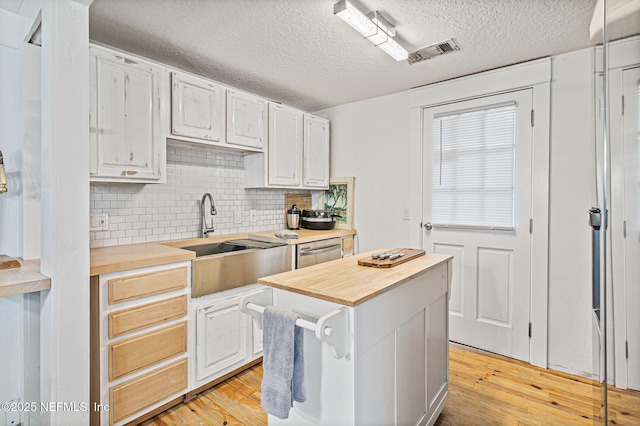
[
  {"x": 99, "y": 222},
  {"x": 237, "y": 215},
  {"x": 253, "y": 215},
  {"x": 12, "y": 418}
]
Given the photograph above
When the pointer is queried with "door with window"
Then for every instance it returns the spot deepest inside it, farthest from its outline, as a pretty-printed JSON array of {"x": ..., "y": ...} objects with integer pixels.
[{"x": 477, "y": 207}]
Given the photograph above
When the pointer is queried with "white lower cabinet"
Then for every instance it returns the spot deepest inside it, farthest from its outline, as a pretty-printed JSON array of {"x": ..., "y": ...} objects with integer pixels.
[
  {"x": 139, "y": 341},
  {"x": 225, "y": 338},
  {"x": 396, "y": 372},
  {"x": 221, "y": 337}
]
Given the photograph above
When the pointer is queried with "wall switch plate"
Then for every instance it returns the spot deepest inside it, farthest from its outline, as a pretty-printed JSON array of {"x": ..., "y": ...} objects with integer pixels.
[
  {"x": 237, "y": 215},
  {"x": 406, "y": 214},
  {"x": 253, "y": 215},
  {"x": 99, "y": 222}
]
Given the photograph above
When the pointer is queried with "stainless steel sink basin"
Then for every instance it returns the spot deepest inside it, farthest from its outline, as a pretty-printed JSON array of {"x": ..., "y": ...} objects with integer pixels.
[
  {"x": 229, "y": 264},
  {"x": 214, "y": 248}
]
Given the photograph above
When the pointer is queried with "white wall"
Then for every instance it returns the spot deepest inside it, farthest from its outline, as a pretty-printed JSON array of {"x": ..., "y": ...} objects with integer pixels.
[
  {"x": 11, "y": 147},
  {"x": 65, "y": 201},
  {"x": 370, "y": 140}
]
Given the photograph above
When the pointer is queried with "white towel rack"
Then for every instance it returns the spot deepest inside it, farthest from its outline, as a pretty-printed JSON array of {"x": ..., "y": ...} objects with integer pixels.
[{"x": 332, "y": 328}]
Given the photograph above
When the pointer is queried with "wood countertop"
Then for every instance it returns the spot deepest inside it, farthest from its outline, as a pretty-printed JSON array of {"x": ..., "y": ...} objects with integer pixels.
[
  {"x": 105, "y": 260},
  {"x": 345, "y": 282},
  {"x": 25, "y": 279},
  {"x": 121, "y": 258},
  {"x": 304, "y": 235}
]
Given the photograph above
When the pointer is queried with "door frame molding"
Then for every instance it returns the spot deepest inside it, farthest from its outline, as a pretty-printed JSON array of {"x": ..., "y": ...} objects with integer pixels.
[{"x": 537, "y": 76}]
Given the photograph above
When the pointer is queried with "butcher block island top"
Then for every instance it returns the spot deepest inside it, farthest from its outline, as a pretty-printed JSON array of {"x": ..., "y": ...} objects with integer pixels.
[{"x": 345, "y": 282}]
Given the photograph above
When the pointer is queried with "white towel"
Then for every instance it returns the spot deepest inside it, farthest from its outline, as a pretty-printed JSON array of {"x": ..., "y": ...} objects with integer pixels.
[{"x": 283, "y": 362}]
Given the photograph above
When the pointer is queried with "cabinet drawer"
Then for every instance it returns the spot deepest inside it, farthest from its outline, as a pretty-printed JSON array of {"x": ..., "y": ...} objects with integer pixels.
[
  {"x": 130, "y": 397},
  {"x": 141, "y": 351},
  {"x": 139, "y": 317},
  {"x": 136, "y": 286}
]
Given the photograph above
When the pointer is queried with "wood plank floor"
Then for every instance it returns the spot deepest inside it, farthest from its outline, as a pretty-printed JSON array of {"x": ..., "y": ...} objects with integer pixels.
[{"x": 484, "y": 389}]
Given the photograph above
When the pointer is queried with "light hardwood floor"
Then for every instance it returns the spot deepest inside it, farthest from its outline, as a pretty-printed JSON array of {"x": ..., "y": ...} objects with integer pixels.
[{"x": 484, "y": 389}]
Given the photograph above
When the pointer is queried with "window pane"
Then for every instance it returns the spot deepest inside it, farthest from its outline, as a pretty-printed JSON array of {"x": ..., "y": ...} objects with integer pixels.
[{"x": 474, "y": 168}]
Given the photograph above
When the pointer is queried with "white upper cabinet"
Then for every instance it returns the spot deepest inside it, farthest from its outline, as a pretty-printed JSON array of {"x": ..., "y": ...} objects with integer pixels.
[
  {"x": 197, "y": 108},
  {"x": 285, "y": 146},
  {"x": 246, "y": 119},
  {"x": 297, "y": 154},
  {"x": 316, "y": 152},
  {"x": 127, "y": 142}
]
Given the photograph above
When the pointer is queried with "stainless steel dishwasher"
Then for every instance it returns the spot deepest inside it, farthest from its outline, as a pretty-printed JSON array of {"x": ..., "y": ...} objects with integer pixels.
[{"x": 318, "y": 252}]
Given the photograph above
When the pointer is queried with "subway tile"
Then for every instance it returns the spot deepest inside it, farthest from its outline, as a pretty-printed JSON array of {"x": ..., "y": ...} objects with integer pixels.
[{"x": 171, "y": 211}]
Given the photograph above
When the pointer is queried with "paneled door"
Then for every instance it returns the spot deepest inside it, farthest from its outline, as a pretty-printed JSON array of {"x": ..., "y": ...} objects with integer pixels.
[
  {"x": 477, "y": 207},
  {"x": 631, "y": 136}
]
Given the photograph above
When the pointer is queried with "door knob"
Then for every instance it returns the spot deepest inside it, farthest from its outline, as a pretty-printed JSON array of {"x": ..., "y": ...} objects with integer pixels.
[{"x": 428, "y": 226}]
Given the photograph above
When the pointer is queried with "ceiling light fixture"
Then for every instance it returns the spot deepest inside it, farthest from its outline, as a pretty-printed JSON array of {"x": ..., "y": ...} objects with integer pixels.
[{"x": 374, "y": 27}]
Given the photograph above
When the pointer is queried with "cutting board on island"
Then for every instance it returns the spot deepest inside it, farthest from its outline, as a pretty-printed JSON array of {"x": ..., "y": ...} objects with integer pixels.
[{"x": 408, "y": 254}]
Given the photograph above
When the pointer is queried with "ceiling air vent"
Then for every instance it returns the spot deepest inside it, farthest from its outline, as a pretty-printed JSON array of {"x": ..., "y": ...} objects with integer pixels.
[{"x": 434, "y": 50}]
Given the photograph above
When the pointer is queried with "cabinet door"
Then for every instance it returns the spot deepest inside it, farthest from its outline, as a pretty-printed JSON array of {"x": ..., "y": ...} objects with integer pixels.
[
  {"x": 316, "y": 152},
  {"x": 196, "y": 108},
  {"x": 221, "y": 330},
  {"x": 246, "y": 119},
  {"x": 285, "y": 146},
  {"x": 126, "y": 139}
]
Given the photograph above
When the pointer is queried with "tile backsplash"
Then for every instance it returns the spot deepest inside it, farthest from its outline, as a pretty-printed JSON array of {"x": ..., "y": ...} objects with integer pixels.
[{"x": 141, "y": 213}]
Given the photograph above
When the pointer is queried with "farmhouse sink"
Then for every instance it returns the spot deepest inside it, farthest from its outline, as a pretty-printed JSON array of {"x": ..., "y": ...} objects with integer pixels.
[
  {"x": 214, "y": 248},
  {"x": 229, "y": 264}
]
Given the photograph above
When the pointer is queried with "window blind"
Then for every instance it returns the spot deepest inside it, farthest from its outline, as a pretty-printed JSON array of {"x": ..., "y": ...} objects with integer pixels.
[{"x": 474, "y": 168}]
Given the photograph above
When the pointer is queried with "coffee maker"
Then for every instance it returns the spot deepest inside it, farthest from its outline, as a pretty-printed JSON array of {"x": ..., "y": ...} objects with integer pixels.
[{"x": 293, "y": 217}]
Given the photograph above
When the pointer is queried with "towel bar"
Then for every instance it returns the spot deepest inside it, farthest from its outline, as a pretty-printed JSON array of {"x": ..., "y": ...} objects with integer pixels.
[{"x": 332, "y": 328}]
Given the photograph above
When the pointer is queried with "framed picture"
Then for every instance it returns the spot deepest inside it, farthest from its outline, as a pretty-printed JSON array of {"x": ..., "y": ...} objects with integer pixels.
[{"x": 338, "y": 199}]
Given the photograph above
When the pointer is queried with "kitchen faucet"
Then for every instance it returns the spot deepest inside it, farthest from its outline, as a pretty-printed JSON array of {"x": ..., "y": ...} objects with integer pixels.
[{"x": 205, "y": 229}]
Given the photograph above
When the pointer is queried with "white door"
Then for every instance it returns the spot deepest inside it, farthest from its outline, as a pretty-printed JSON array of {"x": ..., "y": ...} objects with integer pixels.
[
  {"x": 316, "y": 152},
  {"x": 285, "y": 145},
  {"x": 477, "y": 207},
  {"x": 246, "y": 120},
  {"x": 631, "y": 136},
  {"x": 221, "y": 337},
  {"x": 126, "y": 139},
  {"x": 197, "y": 108}
]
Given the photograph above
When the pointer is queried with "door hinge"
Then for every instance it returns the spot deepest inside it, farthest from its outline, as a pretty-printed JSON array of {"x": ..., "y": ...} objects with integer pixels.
[
  {"x": 531, "y": 226},
  {"x": 529, "y": 330},
  {"x": 626, "y": 349},
  {"x": 622, "y": 104},
  {"x": 532, "y": 117},
  {"x": 624, "y": 229}
]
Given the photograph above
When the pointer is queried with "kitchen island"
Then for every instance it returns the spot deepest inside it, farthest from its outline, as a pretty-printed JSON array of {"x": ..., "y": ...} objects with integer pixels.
[{"x": 384, "y": 360}]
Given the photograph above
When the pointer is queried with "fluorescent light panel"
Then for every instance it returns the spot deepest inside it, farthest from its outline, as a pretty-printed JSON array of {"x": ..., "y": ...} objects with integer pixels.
[{"x": 373, "y": 27}]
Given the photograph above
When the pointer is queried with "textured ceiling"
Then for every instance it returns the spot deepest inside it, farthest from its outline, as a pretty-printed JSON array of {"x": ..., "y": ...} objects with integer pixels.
[{"x": 298, "y": 53}]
